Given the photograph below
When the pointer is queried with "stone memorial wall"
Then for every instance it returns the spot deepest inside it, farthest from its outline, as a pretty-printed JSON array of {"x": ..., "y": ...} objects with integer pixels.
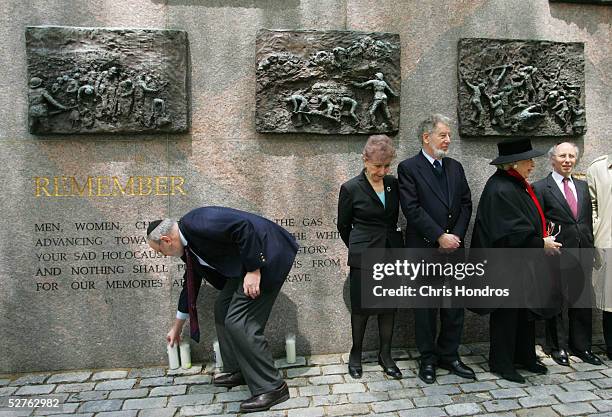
[{"x": 79, "y": 286}]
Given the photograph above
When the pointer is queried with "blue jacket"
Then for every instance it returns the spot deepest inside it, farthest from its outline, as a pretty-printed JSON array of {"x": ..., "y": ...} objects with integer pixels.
[{"x": 235, "y": 242}]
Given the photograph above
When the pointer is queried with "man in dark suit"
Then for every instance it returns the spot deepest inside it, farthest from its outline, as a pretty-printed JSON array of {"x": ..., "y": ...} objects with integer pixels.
[
  {"x": 566, "y": 203},
  {"x": 436, "y": 201},
  {"x": 247, "y": 257}
]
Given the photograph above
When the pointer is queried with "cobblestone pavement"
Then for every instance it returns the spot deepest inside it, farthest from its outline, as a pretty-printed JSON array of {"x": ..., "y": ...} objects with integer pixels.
[{"x": 320, "y": 386}]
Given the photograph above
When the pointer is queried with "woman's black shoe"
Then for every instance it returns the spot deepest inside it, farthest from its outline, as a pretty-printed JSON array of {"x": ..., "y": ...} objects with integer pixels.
[
  {"x": 537, "y": 367},
  {"x": 392, "y": 371},
  {"x": 355, "y": 371},
  {"x": 509, "y": 375},
  {"x": 513, "y": 376}
]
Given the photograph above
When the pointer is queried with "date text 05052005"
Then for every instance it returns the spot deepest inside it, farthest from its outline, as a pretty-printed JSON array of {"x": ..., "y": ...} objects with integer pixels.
[{"x": 14, "y": 402}]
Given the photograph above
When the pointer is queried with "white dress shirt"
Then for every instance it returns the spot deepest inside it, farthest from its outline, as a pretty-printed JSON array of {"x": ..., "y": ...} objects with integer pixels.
[{"x": 430, "y": 159}]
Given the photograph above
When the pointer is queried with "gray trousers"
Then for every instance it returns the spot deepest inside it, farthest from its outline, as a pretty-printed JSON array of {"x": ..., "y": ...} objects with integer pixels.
[{"x": 240, "y": 322}]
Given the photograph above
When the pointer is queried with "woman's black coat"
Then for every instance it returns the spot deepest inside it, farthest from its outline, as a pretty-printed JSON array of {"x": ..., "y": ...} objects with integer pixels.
[
  {"x": 508, "y": 218},
  {"x": 363, "y": 221}
]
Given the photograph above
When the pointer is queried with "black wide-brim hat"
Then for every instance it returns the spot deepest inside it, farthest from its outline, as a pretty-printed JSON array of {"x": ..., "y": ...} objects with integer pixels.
[{"x": 513, "y": 150}]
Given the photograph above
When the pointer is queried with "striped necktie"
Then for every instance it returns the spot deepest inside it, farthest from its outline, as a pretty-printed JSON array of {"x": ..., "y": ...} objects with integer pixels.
[{"x": 194, "y": 327}]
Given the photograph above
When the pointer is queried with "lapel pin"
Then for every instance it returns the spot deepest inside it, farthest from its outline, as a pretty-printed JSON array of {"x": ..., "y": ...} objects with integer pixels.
[{"x": 388, "y": 189}]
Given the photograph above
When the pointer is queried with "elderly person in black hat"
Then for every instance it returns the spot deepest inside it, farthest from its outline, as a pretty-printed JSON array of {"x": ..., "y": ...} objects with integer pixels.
[{"x": 510, "y": 216}]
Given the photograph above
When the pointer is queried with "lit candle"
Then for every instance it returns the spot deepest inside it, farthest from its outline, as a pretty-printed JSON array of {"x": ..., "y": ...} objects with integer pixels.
[
  {"x": 290, "y": 348},
  {"x": 218, "y": 360},
  {"x": 173, "y": 356},
  {"x": 185, "y": 354}
]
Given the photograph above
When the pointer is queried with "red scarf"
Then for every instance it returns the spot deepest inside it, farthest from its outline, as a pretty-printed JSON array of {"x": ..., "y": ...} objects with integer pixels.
[{"x": 513, "y": 173}]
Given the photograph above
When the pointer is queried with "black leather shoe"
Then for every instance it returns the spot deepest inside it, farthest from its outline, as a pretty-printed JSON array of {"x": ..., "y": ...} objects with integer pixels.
[
  {"x": 609, "y": 353},
  {"x": 512, "y": 376},
  {"x": 266, "y": 400},
  {"x": 355, "y": 371},
  {"x": 560, "y": 356},
  {"x": 230, "y": 380},
  {"x": 392, "y": 371},
  {"x": 537, "y": 367},
  {"x": 458, "y": 368},
  {"x": 427, "y": 373},
  {"x": 588, "y": 357}
]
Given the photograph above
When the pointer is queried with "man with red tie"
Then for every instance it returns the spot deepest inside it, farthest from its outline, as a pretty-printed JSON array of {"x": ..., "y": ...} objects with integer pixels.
[
  {"x": 247, "y": 258},
  {"x": 567, "y": 207}
]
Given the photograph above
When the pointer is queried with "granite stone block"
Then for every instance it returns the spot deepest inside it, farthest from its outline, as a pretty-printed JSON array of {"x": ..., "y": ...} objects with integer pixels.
[
  {"x": 462, "y": 409},
  {"x": 35, "y": 389},
  {"x": 348, "y": 410},
  {"x": 158, "y": 412},
  {"x": 231, "y": 396},
  {"x": 30, "y": 379},
  {"x": 386, "y": 385},
  {"x": 576, "y": 396},
  {"x": 537, "y": 401},
  {"x": 432, "y": 400},
  {"x": 84, "y": 386},
  {"x": 115, "y": 384},
  {"x": 170, "y": 390},
  {"x": 331, "y": 399},
  {"x": 348, "y": 388},
  {"x": 326, "y": 379},
  {"x": 508, "y": 393},
  {"x": 197, "y": 399},
  {"x": 306, "y": 412},
  {"x": 193, "y": 379},
  {"x": 411, "y": 393},
  {"x": 146, "y": 372},
  {"x": 423, "y": 412},
  {"x": 124, "y": 413},
  {"x": 392, "y": 405},
  {"x": 501, "y": 405},
  {"x": 536, "y": 412},
  {"x": 69, "y": 377},
  {"x": 99, "y": 406},
  {"x": 142, "y": 403},
  {"x": 91, "y": 396},
  {"x": 314, "y": 390},
  {"x": 156, "y": 382},
  {"x": 103, "y": 375},
  {"x": 573, "y": 409},
  {"x": 129, "y": 393},
  {"x": 198, "y": 410}
]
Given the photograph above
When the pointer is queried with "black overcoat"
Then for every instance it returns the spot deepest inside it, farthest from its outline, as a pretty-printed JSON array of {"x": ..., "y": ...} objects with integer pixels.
[
  {"x": 507, "y": 217},
  {"x": 429, "y": 212},
  {"x": 363, "y": 221}
]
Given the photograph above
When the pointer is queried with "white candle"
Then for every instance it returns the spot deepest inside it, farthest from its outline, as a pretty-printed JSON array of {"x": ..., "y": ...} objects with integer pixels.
[
  {"x": 218, "y": 360},
  {"x": 290, "y": 348},
  {"x": 185, "y": 354},
  {"x": 173, "y": 356}
]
